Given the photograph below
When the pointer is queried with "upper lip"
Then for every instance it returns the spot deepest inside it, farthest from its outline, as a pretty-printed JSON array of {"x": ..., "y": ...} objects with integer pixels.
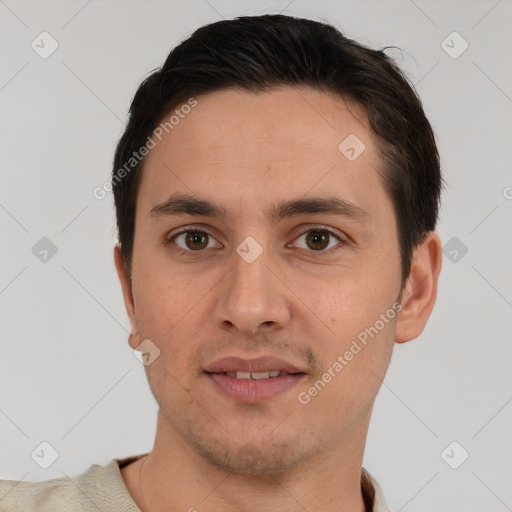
[{"x": 259, "y": 364}]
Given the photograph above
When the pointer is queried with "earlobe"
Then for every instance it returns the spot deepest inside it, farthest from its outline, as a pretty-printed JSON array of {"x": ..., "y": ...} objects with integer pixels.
[
  {"x": 127, "y": 295},
  {"x": 420, "y": 291}
]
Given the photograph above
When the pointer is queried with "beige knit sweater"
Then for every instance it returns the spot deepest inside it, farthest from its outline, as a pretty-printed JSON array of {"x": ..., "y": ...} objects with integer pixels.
[{"x": 100, "y": 488}]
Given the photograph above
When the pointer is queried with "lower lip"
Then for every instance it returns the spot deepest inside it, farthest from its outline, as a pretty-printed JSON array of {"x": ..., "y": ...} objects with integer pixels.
[{"x": 253, "y": 390}]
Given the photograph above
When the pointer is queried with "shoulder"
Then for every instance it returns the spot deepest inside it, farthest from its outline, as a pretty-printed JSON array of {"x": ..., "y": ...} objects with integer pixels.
[
  {"x": 49, "y": 495},
  {"x": 90, "y": 491}
]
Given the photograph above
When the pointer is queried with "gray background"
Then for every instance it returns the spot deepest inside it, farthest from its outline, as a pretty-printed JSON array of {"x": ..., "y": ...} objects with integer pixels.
[{"x": 68, "y": 375}]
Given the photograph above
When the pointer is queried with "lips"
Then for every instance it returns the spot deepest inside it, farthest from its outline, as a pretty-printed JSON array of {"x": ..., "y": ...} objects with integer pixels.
[
  {"x": 258, "y": 365},
  {"x": 253, "y": 380}
]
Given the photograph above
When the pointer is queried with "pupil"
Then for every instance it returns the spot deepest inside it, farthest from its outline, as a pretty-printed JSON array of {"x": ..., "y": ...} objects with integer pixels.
[
  {"x": 318, "y": 239},
  {"x": 196, "y": 238}
]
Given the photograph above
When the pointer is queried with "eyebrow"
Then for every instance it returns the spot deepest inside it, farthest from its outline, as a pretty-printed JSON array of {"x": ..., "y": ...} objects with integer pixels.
[{"x": 180, "y": 204}]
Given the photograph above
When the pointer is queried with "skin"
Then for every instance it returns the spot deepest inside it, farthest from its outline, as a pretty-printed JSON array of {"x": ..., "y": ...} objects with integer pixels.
[{"x": 248, "y": 151}]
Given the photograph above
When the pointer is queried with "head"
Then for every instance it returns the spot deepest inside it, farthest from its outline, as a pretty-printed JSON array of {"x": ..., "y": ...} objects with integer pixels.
[{"x": 259, "y": 128}]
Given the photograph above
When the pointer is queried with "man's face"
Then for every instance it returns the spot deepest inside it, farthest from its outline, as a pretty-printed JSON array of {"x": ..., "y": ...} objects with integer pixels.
[{"x": 248, "y": 286}]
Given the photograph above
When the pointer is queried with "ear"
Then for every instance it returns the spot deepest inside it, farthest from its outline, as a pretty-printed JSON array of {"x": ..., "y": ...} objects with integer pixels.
[
  {"x": 420, "y": 291},
  {"x": 127, "y": 295}
]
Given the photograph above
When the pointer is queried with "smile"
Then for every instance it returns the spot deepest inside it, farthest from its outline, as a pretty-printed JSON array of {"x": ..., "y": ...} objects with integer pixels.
[
  {"x": 253, "y": 387},
  {"x": 255, "y": 375}
]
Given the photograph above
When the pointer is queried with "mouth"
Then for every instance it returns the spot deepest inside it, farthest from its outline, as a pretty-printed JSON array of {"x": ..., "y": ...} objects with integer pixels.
[
  {"x": 253, "y": 380},
  {"x": 257, "y": 375}
]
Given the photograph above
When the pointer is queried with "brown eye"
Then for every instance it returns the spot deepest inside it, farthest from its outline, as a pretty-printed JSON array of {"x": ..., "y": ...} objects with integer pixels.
[
  {"x": 196, "y": 240},
  {"x": 320, "y": 240},
  {"x": 192, "y": 240},
  {"x": 317, "y": 240}
]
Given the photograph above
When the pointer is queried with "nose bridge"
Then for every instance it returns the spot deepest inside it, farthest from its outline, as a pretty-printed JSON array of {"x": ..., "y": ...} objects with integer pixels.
[{"x": 251, "y": 295}]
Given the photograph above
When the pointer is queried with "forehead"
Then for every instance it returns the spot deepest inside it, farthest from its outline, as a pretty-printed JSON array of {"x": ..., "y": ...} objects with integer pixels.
[
  {"x": 245, "y": 149},
  {"x": 239, "y": 126}
]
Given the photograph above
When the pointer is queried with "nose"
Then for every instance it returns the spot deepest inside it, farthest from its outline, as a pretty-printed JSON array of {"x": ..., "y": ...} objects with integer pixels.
[{"x": 252, "y": 297}]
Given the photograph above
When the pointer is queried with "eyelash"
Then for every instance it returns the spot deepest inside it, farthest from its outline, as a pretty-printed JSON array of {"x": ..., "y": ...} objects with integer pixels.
[{"x": 320, "y": 229}]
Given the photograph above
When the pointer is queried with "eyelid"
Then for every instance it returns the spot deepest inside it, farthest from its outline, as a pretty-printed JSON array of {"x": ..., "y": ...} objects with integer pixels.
[
  {"x": 322, "y": 227},
  {"x": 190, "y": 228}
]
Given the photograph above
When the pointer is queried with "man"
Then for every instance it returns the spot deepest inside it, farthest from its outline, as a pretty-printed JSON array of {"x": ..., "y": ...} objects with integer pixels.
[{"x": 276, "y": 191}]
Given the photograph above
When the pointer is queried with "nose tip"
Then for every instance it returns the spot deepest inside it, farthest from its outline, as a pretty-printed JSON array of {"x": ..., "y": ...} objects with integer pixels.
[
  {"x": 249, "y": 323},
  {"x": 251, "y": 326},
  {"x": 251, "y": 298}
]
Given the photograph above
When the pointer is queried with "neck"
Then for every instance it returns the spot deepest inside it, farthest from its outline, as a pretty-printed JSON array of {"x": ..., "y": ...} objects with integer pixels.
[{"x": 174, "y": 477}]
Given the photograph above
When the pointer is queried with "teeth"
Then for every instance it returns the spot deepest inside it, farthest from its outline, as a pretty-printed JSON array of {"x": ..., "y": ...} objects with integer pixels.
[
  {"x": 260, "y": 375},
  {"x": 254, "y": 375}
]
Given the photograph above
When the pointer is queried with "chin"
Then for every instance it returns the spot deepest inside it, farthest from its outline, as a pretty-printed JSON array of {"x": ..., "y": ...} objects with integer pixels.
[{"x": 258, "y": 458}]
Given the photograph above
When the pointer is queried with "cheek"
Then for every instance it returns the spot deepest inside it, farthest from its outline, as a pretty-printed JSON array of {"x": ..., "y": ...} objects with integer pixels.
[
  {"x": 163, "y": 297},
  {"x": 358, "y": 345},
  {"x": 164, "y": 315},
  {"x": 351, "y": 375},
  {"x": 348, "y": 307}
]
